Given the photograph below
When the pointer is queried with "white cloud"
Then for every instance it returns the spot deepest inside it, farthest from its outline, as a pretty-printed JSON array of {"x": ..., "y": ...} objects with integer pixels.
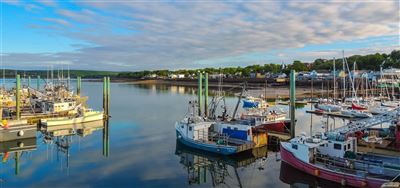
[{"x": 155, "y": 35}]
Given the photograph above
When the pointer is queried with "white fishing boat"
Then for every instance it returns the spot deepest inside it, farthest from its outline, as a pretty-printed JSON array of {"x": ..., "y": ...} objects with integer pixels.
[
  {"x": 392, "y": 104},
  {"x": 356, "y": 113},
  {"x": 83, "y": 116},
  {"x": 379, "y": 110},
  {"x": 328, "y": 107}
]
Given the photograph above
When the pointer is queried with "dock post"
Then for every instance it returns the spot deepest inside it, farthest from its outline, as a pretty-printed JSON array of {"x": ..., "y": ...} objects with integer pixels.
[
  {"x": 206, "y": 94},
  {"x": 38, "y": 83},
  {"x": 292, "y": 103},
  {"x": 29, "y": 81},
  {"x": 78, "y": 85},
  {"x": 18, "y": 97},
  {"x": 200, "y": 91},
  {"x": 105, "y": 96},
  {"x": 108, "y": 96}
]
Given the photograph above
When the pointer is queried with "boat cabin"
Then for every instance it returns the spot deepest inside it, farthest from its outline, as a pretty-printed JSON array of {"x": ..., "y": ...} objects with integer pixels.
[
  {"x": 54, "y": 107},
  {"x": 196, "y": 130},
  {"x": 307, "y": 148},
  {"x": 235, "y": 130}
]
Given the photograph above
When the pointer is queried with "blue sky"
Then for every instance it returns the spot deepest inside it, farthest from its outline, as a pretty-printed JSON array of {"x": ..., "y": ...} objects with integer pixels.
[{"x": 127, "y": 35}]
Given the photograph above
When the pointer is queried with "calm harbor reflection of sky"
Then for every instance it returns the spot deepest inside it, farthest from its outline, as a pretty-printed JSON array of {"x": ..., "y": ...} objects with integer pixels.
[{"x": 143, "y": 150}]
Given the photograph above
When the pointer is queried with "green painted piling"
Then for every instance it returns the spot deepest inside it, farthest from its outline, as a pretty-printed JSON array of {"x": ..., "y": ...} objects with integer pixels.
[
  {"x": 200, "y": 91},
  {"x": 108, "y": 96},
  {"x": 206, "y": 94},
  {"x": 29, "y": 81},
  {"x": 105, "y": 95},
  {"x": 292, "y": 103},
  {"x": 18, "y": 97},
  {"x": 38, "y": 82},
  {"x": 78, "y": 85}
]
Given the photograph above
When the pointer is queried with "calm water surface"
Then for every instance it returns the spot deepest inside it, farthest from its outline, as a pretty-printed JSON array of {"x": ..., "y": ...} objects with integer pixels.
[{"x": 142, "y": 149}]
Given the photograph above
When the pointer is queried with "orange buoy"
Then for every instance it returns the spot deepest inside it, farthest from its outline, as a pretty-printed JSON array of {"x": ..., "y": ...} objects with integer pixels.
[{"x": 316, "y": 172}]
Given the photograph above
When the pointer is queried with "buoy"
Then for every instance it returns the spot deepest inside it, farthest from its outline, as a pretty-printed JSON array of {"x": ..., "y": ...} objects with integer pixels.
[
  {"x": 21, "y": 133},
  {"x": 20, "y": 144},
  {"x": 343, "y": 182},
  {"x": 316, "y": 172},
  {"x": 4, "y": 123}
]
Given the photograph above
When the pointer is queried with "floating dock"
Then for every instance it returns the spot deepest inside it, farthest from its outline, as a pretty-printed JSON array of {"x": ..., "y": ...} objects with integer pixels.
[{"x": 332, "y": 114}]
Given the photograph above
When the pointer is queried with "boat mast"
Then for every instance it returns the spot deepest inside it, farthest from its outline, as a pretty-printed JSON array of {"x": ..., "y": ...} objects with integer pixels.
[
  {"x": 344, "y": 77},
  {"x": 334, "y": 79}
]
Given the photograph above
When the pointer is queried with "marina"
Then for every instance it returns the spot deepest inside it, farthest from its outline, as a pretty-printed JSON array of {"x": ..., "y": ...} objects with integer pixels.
[{"x": 199, "y": 94}]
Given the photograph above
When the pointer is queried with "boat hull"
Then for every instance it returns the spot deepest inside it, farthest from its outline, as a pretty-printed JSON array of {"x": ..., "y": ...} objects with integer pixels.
[
  {"x": 342, "y": 178},
  {"x": 224, "y": 150},
  {"x": 277, "y": 126},
  {"x": 68, "y": 121}
]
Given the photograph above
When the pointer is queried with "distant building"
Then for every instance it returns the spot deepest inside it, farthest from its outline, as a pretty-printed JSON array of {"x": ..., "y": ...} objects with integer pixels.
[{"x": 176, "y": 76}]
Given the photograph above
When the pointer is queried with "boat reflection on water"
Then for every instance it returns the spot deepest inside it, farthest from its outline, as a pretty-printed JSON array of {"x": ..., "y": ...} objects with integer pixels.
[
  {"x": 297, "y": 178},
  {"x": 13, "y": 150},
  {"x": 200, "y": 165},
  {"x": 63, "y": 136}
]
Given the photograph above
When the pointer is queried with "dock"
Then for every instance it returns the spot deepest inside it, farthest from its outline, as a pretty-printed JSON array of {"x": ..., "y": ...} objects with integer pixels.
[{"x": 332, "y": 114}]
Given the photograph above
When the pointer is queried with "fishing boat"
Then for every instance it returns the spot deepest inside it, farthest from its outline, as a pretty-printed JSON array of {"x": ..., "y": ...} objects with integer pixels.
[
  {"x": 335, "y": 158},
  {"x": 200, "y": 133},
  {"x": 271, "y": 119},
  {"x": 83, "y": 116},
  {"x": 379, "y": 110},
  {"x": 253, "y": 102},
  {"x": 328, "y": 107},
  {"x": 391, "y": 104},
  {"x": 356, "y": 113}
]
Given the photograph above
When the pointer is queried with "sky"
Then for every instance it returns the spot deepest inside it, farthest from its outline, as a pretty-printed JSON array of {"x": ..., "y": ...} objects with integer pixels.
[{"x": 126, "y": 35}]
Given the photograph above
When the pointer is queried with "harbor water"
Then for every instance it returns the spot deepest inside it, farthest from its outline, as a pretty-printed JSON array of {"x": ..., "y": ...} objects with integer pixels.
[{"x": 143, "y": 151}]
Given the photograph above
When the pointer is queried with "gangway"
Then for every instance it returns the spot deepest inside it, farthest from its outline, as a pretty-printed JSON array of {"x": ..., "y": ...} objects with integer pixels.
[{"x": 366, "y": 123}]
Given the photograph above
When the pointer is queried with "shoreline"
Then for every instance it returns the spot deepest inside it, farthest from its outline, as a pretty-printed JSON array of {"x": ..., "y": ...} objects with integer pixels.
[{"x": 253, "y": 89}]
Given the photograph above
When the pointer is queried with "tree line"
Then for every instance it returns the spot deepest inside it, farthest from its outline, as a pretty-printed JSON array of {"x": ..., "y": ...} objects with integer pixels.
[{"x": 363, "y": 62}]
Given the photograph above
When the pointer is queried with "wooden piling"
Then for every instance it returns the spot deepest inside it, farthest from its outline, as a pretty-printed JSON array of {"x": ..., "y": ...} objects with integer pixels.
[
  {"x": 78, "y": 85},
  {"x": 206, "y": 94},
  {"x": 105, "y": 96},
  {"x": 108, "y": 96},
  {"x": 200, "y": 91},
  {"x": 292, "y": 103},
  {"x": 29, "y": 81},
  {"x": 18, "y": 97},
  {"x": 38, "y": 83}
]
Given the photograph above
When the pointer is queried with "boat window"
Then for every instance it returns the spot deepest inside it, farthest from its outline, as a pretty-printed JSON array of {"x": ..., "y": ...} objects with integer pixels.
[
  {"x": 337, "y": 146},
  {"x": 182, "y": 126},
  {"x": 344, "y": 148},
  {"x": 229, "y": 127},
  {"x": 235, "y": 128},
  {"x": 348, "y": 146},
  {"x": 190, "y": 128},
  {"x": 294, "y": 146}
]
